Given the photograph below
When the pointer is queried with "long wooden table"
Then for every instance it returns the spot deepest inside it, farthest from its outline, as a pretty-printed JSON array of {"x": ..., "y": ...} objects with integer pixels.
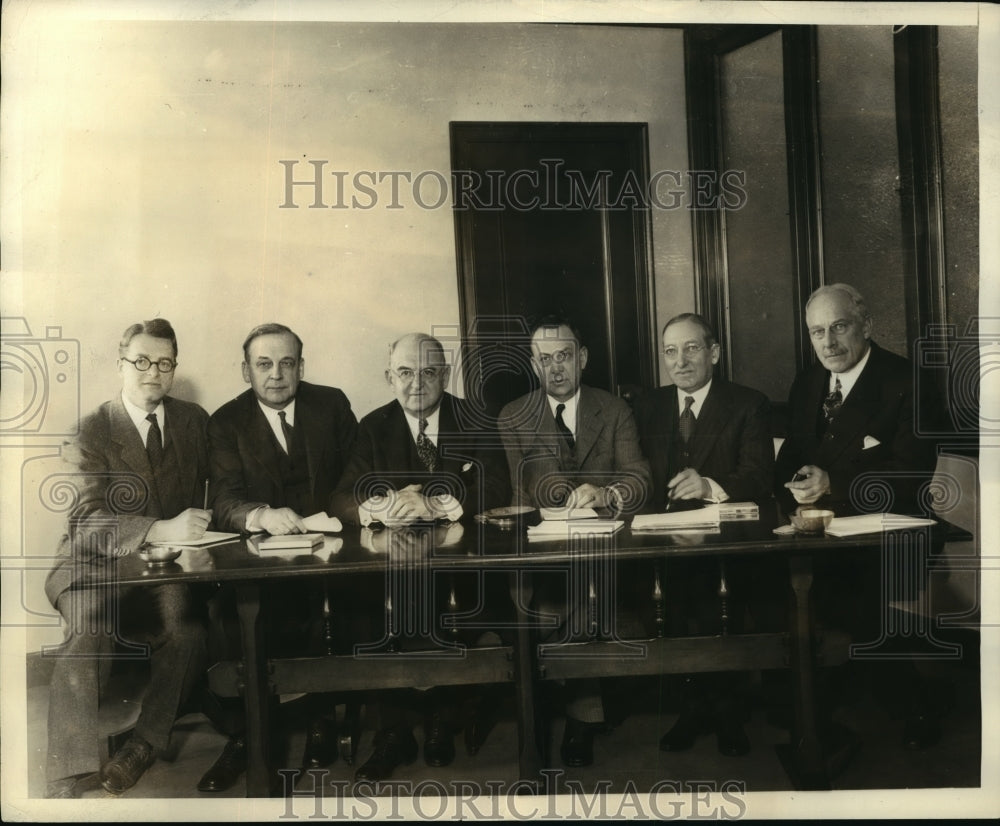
[{"x": 478, "y": 547}]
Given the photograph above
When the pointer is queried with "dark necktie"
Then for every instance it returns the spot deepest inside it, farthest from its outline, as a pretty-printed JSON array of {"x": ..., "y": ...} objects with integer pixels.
[
  {"x": 566, "y": 433},
  {"x": 686, "y": 423},
  {"x": 288, "y": 430},
  {"x": 425, "y": 448},
  {"x": 154, "y": 442},
  {"x": 833, "y": 401}
]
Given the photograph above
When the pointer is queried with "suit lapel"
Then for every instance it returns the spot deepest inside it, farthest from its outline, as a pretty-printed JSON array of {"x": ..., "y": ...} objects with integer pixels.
[
  {"x": 589, "y": 424},
  {"x": 260, "y": 435},
  {"x": 310, "y": 434},
  {"x": 855, "y": 412},
  {"x": 178, "y": 430},
  {"x": 125, "y": 435},
  {"x": 711, "y": 420},
  {"x": 543, "y": 435}
]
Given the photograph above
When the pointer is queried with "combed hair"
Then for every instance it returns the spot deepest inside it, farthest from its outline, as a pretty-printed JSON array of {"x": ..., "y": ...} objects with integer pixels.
[
  {"x": 554, "y": 321},
  {"x": 694, "y": 318},
  {"x": 857, "y": 299},
  {"x": 269, "y": 329},
  {"x": 156, "y": 327}
]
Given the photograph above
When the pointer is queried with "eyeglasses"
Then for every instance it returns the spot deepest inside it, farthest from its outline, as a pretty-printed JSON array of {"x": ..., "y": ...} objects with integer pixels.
[
  {"x": 838, "y": 328},
  {"x": 559, "y": 356},
  {"x": 406, "y": 374},
  {"x": 690, "y": 351},
  {"x": 142, "y": 364}
]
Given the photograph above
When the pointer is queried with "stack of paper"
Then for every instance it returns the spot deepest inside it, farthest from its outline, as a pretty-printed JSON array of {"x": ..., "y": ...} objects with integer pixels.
[
  {"x": 703, "y": 519},
  {"x": 874, "y": 523},
  {"x": 738, "y": 511},
  {"x": 302, "y": 542},
  {"x": 573, "y": 528},
  {"x": 562, "y": 514},
  {"x": 207, "y": 538}
]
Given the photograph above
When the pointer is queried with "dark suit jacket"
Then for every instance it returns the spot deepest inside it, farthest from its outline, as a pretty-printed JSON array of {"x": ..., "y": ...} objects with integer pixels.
[
  {"x": 245, "y": 456},
  {"x": 385, "y": 456},
  {"x": 542, "y": 467},
  {"x": 116, "y": 505},
  {"x": 880, "y": 406},
  {"x": 732, "y": 442}
]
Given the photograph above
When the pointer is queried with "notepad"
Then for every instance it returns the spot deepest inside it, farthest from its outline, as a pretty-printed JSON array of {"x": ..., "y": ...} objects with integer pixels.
[
  {"x": 874, "y": 523},
  {"x": 290, "y": 542},
  {"x": 706, "y": 518},
  {"x": 573, "y": 528},
  {"x": 207, "y": 538}
]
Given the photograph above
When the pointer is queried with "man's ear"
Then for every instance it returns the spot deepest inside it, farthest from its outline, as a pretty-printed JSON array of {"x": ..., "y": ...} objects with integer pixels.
[
  {"x": 121, "y": 368},
  {"x": 302, "y": 368},
  {"x": 445, "y": 375},
  {"x": 716, "y": 352},
  {"x": 583, "y": 357},
  {"x": 536, "y": 367},
  {"x": 388, "y": 377},
  {"x": 867, "y": 328},
  {"x": 246, "y": 372}
]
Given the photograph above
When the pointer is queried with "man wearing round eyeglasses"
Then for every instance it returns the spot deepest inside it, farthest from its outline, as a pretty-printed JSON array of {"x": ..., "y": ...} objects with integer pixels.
[
  {"x": 422, "y": 458},
  {"x": 141, "y": 462},
  {"x": 854, "y": 446},
  {"x": 707, "y": 439}
]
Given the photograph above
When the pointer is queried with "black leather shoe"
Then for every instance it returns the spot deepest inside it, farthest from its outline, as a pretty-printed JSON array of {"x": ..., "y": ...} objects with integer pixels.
[
  {"x": 921, "y": 732},
  {"x": 439, "y": 742},
  {"x": 123, "y": 770},
  {"x": 393, "y": 747},
  {"x": 683, "y": 733},
  {"x": 321, "y": 744},
  {"x": 732, "y": 739},
  {"x": 227, "y": 769},
  {"x": 577, "y": 744}
]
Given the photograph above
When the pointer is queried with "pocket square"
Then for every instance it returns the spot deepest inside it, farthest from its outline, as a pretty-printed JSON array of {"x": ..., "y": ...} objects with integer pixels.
[
  {"x": 466, "y": 467},
  {"x": 870, "y": 442}
]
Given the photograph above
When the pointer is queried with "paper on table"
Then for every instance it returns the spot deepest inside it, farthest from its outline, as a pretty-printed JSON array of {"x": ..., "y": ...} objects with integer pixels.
[
  {"x": 873, "y": 523},
  {"x": 207, "y": 538},
  {"x": 562, "y": 514},
  {"x": 322, "y": 523},
  {"x": 569, "y": 528},
  {"x": 707, "y": 517}
]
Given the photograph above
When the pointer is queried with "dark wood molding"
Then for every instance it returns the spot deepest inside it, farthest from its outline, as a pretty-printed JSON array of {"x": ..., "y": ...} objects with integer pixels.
[
  {"x": 804, "y": 179},
  {"x": 918, "y": 127}
]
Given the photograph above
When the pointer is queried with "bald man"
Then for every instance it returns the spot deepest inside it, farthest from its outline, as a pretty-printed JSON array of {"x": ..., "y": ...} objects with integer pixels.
[{"x": 424, "y": 457}]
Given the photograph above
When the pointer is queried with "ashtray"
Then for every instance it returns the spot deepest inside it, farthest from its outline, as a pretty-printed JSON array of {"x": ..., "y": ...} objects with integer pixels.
[
  {"x": 159, "y": 554},
  {"x": 510, "y": 517},
  {"x": 810, "y": 520}
]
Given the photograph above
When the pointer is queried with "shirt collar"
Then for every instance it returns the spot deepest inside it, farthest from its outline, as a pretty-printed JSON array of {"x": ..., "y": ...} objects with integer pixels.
[
  {"x": 432, "y": 429},
  {"x": 698, "y": 395},
  {"x": 272, "y": 414},
  {"x": 849, "y": 377},
  {"x": 138, "y": 415},
  {"x": 569, "y": 414}
]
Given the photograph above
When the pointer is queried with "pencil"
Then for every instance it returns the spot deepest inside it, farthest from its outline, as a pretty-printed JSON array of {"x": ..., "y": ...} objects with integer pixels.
[{"x": 206, "y": 495}]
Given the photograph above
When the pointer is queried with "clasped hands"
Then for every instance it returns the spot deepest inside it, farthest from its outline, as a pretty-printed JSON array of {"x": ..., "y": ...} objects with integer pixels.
[{"x": 404, "y": 507}]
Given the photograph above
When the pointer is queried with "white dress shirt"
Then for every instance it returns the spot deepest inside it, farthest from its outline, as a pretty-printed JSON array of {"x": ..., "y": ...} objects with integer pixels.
[
  {"x": 138, "y": 417},
  {"x": 849, "y": 377},
  {"x": 569, "y": 414}
]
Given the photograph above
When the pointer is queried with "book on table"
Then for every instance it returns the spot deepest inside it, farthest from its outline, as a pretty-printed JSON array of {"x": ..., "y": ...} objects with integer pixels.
[{"x": 289, "y": 542}]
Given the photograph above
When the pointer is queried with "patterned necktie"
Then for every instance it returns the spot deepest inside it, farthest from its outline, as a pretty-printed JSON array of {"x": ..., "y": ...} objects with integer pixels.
[
  {"x": 154, "y": 442},
  {"x": 288, "y": 430},
  {"x": 425, "y": 448},
  {"x": 833, "y": 401},
  {"x": 686, "y": 423},
  {"x": 566, "y": 433}
]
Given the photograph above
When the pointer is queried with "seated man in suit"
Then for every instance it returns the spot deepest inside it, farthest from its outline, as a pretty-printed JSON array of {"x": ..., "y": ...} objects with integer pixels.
[
  {"x": 277, "y": 451},
  {"x": 852, "y": 431},
  {"x": 570, "y": 445},
  {"x": 421, "y": 458},
  {"x": 706, "y": 439},
  {"x": 142, "y": 459}
]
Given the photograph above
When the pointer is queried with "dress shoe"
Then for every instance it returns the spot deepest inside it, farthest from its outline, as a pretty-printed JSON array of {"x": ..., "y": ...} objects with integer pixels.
[
  {"x": 684, "y": 732},
  {"x": 227, "y": 769},
  {"x": 731, "y": 738},
  {"x": 439, "y": 742},
  {"x": 393, "y": 747},
  {"x": 123, "y": 770},
  {"x": 477, "y": 729},
  {"x": 577, "y": 744},
  {"x": 71, "y": 788},
  {"x": 921, "y": 732},
  {"x": 321, "y": 744}
]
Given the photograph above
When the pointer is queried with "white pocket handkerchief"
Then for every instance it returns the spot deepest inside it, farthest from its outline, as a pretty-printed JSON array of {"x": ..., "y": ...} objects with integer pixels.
[{"x": 870, "y": 442}]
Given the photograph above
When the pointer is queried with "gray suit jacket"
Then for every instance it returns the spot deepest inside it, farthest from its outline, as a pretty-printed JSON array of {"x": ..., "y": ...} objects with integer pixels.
[
  {"x": 118, "y": 497},
  {"x": 542, "y": 467}
]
